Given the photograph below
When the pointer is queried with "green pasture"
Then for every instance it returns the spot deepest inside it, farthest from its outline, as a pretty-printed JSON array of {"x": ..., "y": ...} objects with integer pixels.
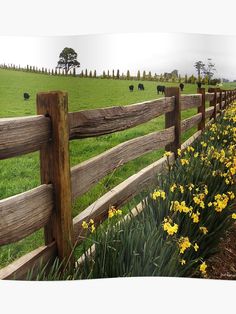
[{"x": 22, "y": 173}]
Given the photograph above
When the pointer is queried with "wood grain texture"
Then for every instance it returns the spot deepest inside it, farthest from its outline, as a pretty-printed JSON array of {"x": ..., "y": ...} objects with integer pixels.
[
  {"x": 86, "y": 174},
  {"x": 23, "y": 135},
  {"x": 225, "y": 98},
  {"x": 209, "y": 96},
  {"x": 173, "y": 118},
  {"x": 31, "y": 262},
  {"x": 96, "y": 122},
  {"x": 202, "y": 109},
  {"x": 190, "y": 101},
  {"x": 119, "y": 195},
  {"x": 190, "y": 122},
  {"x": 55, "y": 169},
  {"x": 213, "y": 103},
  {"x": 123, "y": 192},
  {"x": 23, "y": 214},
  {"x": 134, "y": 211},
  {"x": 209, "y": 112},
  {"x": 191, "y": 140}
]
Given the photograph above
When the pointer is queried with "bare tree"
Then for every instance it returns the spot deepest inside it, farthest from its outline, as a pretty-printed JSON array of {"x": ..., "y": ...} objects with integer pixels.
[
  {"x": 209, "y": 70},
  {"x": 200, "y": 66}
]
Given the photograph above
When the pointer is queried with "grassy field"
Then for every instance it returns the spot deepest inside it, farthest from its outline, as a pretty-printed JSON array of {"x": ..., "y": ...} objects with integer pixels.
[{"x": 22, "y": 173}]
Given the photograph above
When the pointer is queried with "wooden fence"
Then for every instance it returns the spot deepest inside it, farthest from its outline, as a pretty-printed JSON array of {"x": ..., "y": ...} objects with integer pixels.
[{"x": 49, "y": 205}]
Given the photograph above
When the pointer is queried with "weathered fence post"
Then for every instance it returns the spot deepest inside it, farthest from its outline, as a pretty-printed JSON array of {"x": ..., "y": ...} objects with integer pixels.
[
  {"x": 213, "y": 102},
  {"x": 55, "y": 169},
  {"x": 202, "y": 109},
  {"x": 173, "y": 118},
  {"x": 220, "y": 101},
  {"x": 226, "y": 99},
  {"x": 224, "y": 91}
]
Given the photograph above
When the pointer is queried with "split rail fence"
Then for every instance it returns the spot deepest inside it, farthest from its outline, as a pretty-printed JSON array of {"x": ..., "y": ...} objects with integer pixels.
[{"x": 49, "y": 205}]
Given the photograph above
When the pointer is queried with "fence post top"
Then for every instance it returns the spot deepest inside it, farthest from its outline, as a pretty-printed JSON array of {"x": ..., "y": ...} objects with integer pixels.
[
  {"x": 53, "y": 93},
  {"x": 172, "y": 88},
  {"x": 201, "y": 90}
]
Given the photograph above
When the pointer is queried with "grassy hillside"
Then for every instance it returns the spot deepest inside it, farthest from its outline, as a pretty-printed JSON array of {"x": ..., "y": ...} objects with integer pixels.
[
  {"x": 83, "y": 93},
  {"x": 22, "y": 173}
]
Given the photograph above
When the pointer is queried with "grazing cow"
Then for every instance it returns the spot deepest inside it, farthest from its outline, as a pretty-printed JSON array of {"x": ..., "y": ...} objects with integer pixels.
[
  {"x": 181, "y": 85},
  {"x": 131, "y": 88},
  {"x": 140, "y": 86},
  {"x": 26, "y": 96},
  {"x": 161, "y": 89}
]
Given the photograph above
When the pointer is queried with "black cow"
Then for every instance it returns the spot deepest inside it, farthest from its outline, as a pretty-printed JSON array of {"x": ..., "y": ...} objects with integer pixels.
[
  {"x": 131, "y": 88},
  {"x": 181, "y": 85},
  {"x": 140, "y": 86},
  {"x": 161, "y": 89},
  {"x": 26, "y": 96}
]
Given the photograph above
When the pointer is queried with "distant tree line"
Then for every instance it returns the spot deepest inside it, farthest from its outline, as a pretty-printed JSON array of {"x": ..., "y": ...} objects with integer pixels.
[
  {"x": 34, "y": 69},
  {"x": 173, "y": 76}
]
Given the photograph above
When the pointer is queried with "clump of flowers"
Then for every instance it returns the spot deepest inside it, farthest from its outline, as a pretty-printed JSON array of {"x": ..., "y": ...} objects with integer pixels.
[
  {"x": 195, "y": 217},
  {"x": 221, "y": 202},
  {"x": 113, "y": 211},
  {"x": 180, "y": 207},
  {"x": 169, "y": 227},
  {"x": 186, "y": 213},
  {"x": 184, "y": 161},
  {"x": 89, "y": 225},
  {"x": 184, "y": 244},
  {"x": 199, "y": 199},
  {"x": 159, "y": 194}
]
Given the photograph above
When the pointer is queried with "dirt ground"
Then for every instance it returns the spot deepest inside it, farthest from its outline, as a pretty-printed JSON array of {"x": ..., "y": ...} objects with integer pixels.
[{"x": 222, "y": 265}]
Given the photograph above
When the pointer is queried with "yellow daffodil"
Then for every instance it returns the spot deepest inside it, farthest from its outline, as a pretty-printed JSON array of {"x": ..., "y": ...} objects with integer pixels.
[
  {"x": 204, "y": 230},
  {"x": 84, "y": 225},
  {"x": 203, "y": 267},
  {"x": 159, "y": 193},
  {"x": 184, "y": 161},
  {"x": 167, "y": 154},
  {"x": 184, "y": 244},
  {"x": 170, "y": 229},
  {"x": 233, "y": 216},
  {"x": 173, "y": 187},
  {"x": 114, "y": 212}
]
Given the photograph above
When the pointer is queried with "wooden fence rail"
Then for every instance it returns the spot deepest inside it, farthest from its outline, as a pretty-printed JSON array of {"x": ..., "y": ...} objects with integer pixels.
[{"x": 49, "y": 205}]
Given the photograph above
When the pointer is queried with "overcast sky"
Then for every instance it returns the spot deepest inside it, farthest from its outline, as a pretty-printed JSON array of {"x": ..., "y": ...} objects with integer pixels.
[{"x": 156, "y": 52}]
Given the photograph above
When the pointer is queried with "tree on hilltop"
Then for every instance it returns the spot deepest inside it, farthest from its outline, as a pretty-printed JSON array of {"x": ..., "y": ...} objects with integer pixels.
[
  {"x": 209, "y": 70},
  {"x": 199, "y": 66},
  {"x": 68, "y": 60}
]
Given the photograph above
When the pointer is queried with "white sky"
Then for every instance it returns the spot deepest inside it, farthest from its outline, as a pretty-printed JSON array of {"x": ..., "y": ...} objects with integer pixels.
[{"x": 156, "y": 52}]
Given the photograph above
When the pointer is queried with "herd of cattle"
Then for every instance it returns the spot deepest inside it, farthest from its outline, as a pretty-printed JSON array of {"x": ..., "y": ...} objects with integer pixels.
[{"x": 160, "y": 88}]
